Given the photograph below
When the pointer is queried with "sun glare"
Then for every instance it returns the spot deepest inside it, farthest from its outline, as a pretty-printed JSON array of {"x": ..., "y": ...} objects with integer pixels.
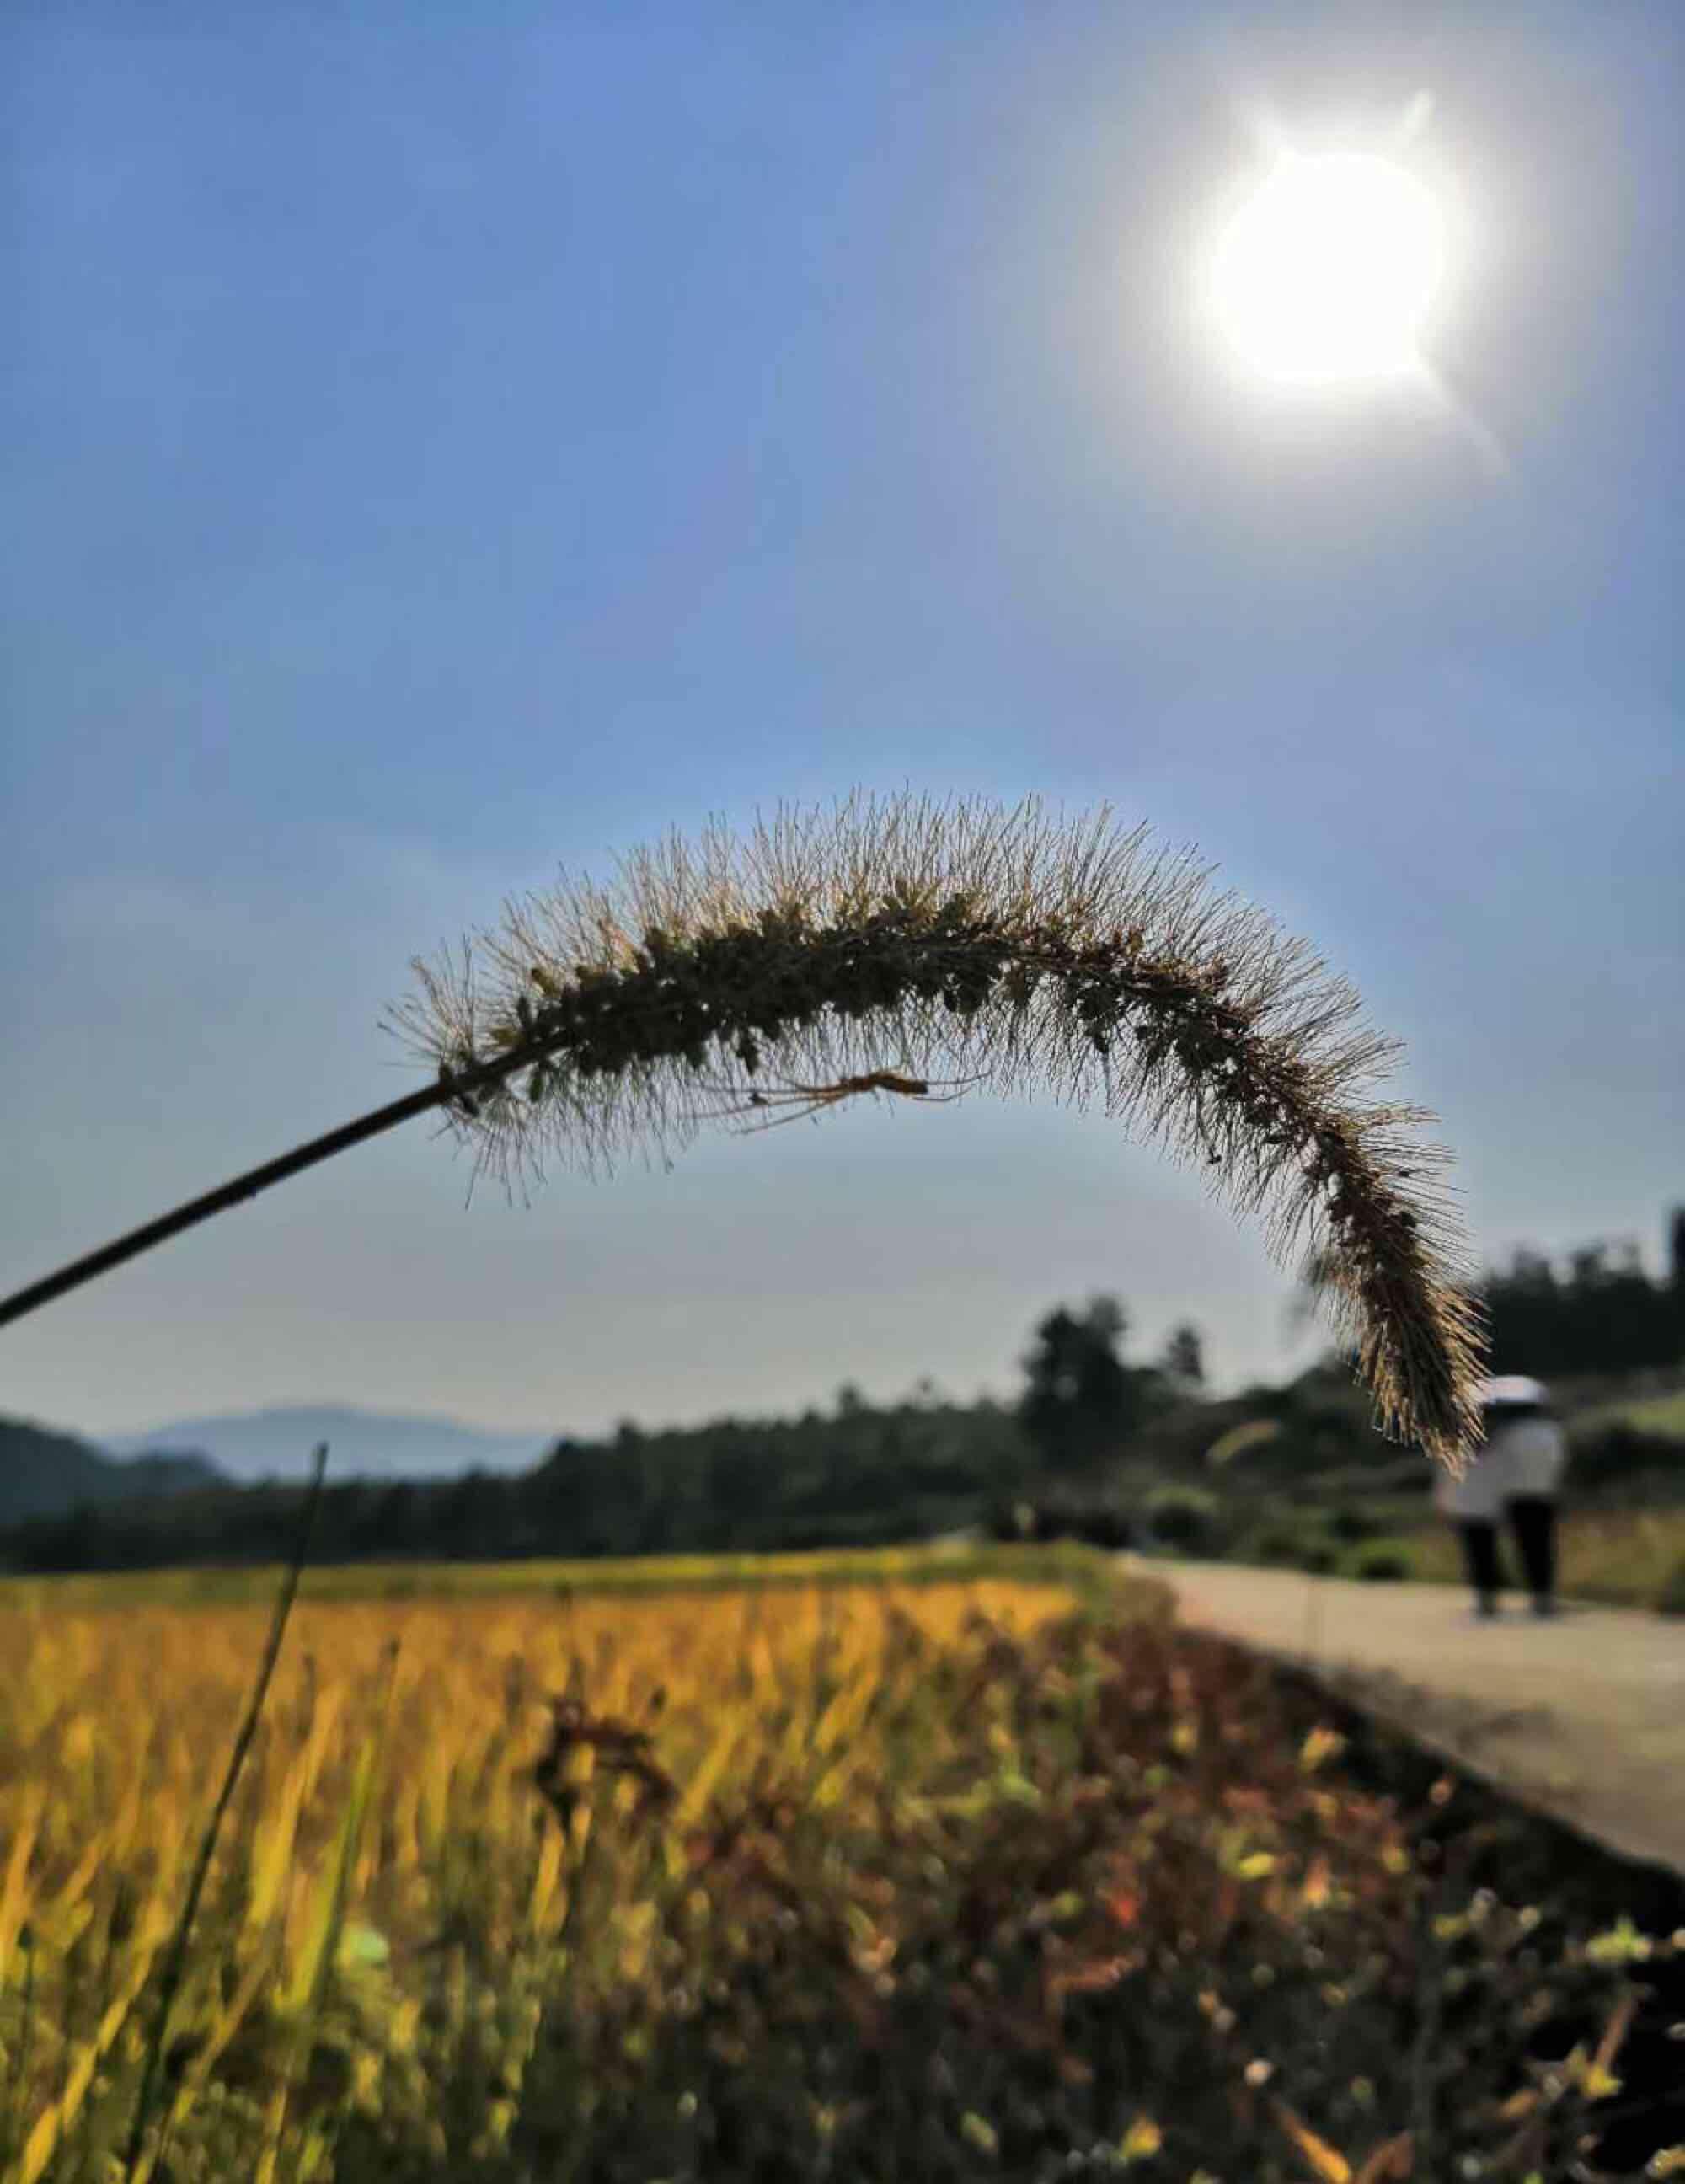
[{"x": 1329, "y": 270}]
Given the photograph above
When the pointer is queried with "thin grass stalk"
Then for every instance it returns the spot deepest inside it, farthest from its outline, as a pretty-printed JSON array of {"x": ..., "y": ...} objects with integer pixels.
[
  {"x": 67, "y": 2074},
  {"x": 308, "y": 1996},
  {"x": 41, "y": 2150},
  {"x": 11, "y": 2141},
  {"x": 310, "y": 1988},
  {"x": 175, "y": 1962},
  {"x": 907, "y": 949},
  {"x": 236, "y": 1192},
  {"x": 259, "y": 1971},
  {"x": 85, "y": 2128}
]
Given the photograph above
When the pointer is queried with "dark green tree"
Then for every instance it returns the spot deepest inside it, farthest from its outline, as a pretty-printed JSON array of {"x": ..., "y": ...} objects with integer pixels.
[
  {"x": 1603, "y": 1314},
  {"x": 1183, "y": 1364},
  {"x": 1081, "y": 1401}
]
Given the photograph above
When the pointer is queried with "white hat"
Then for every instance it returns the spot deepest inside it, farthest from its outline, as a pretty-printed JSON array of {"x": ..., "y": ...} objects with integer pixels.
[{"x": 1509, "y": 1390}]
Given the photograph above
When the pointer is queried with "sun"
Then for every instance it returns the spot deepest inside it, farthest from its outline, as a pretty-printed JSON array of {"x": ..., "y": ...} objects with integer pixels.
[{"x": 1328, "y": 270}]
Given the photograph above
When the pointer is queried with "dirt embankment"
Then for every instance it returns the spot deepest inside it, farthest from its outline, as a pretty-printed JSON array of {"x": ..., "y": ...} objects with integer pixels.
[{"x": 1533, "y": 1757}]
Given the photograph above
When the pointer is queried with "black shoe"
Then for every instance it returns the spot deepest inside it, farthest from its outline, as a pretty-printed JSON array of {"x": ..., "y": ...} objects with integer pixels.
[
  {"x": 1486, "y": 1605},
  {"x": 1544, "y": 1605}
]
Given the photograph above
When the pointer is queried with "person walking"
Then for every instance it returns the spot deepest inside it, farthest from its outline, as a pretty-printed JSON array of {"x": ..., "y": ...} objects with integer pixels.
[
  {"x": 1516, "y": 1478},
  {"x": 1527, "y": 1436},
  {"x": 1474, "y": 1504}
]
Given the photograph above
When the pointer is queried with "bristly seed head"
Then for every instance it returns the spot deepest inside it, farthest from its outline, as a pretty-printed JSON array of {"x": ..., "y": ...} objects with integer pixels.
[{"x": 967, "y": 939}]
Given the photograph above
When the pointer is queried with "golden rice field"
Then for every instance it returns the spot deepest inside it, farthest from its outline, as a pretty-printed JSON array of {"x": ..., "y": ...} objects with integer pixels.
[
  {"x": 389, "y": 1796},
  {"x": 681, "y": 1879}
]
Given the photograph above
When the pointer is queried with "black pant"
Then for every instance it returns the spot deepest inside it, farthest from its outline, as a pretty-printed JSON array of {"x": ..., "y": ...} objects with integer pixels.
[{"x": 1532, "y": 1519}]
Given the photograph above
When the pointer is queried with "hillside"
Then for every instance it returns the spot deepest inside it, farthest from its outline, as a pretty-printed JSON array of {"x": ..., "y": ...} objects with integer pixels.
[
  {"x": 46, "y": 1474},
  {"x": 276, "y": 1442}
]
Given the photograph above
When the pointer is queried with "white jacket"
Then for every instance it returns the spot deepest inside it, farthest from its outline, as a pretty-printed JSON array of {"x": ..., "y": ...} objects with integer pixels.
[
  {"x": 1534, "y": 1452},
  {"x": 1526, "y": 1456}
]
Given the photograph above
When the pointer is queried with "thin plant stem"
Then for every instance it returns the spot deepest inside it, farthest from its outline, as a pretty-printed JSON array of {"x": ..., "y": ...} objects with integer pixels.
[
  {"x": 21, "y": 2056},
  {"x": 85, "y": 2131},
  {"x": 175, "y": 1964},
  {"x": 232, "y": 1193},
  {"x": 910, "y": 950}
]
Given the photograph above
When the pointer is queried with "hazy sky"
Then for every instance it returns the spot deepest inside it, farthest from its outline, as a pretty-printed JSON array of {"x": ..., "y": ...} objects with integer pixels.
[{"x": 445, "y": 444}]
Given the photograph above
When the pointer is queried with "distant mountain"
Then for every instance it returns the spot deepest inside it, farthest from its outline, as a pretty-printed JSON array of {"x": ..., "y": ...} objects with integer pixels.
[
  {"x": 46, "y": 1474},
  {"x": 277, "y": 1443}
]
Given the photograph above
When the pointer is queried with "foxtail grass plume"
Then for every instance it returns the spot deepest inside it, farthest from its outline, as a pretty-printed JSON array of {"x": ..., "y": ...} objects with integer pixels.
[{"x": 905, "y": 945}]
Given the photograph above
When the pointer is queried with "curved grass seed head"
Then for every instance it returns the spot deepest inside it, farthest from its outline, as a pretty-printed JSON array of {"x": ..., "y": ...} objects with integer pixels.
[{"x": 904, "y": 939}]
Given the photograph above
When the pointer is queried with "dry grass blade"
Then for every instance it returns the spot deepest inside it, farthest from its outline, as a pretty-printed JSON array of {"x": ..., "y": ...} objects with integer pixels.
[
  {"x": 175, "y": 1962},
  {"x": 1392, "y": 2162},
  {"x": 1326, "y": 2161},
  {"x": 912, "y": 942}
]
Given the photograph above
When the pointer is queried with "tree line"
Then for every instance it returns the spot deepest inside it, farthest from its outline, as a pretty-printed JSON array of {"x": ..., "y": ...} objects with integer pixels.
[
  {"x": 860, "y": 1473},
  {"x": 1598, "y": 1310},
  {"x": 857, "y": 1473}
]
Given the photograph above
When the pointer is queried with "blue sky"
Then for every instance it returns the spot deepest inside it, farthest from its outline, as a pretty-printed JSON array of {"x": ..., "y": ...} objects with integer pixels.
[{"x": 444, "y": 445}]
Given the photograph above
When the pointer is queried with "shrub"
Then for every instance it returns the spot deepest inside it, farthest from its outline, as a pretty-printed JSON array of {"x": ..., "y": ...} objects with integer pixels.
[
  {"x": 1671, "y": 1599},
  {"x": 1279, "y": 1546},
  {"x": 1603, "y": 1455},
  {"x": 1008, "y": 1521},
  {"x": 1184, "y": 1518},
  {"x": 1382, "y": 1565},
  {"x": 1349, "y": 1523},
  {"x": 1103, "y": 1527},
  {"x": 1096, "y": 1524}
]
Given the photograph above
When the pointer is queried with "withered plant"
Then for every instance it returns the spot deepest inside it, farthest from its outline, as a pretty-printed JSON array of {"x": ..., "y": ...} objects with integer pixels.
[{"x": 915, "y": 949}]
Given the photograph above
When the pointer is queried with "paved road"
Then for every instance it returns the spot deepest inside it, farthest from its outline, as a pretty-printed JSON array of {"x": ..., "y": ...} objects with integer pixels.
[{"x": 1584, "y": 1715}]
